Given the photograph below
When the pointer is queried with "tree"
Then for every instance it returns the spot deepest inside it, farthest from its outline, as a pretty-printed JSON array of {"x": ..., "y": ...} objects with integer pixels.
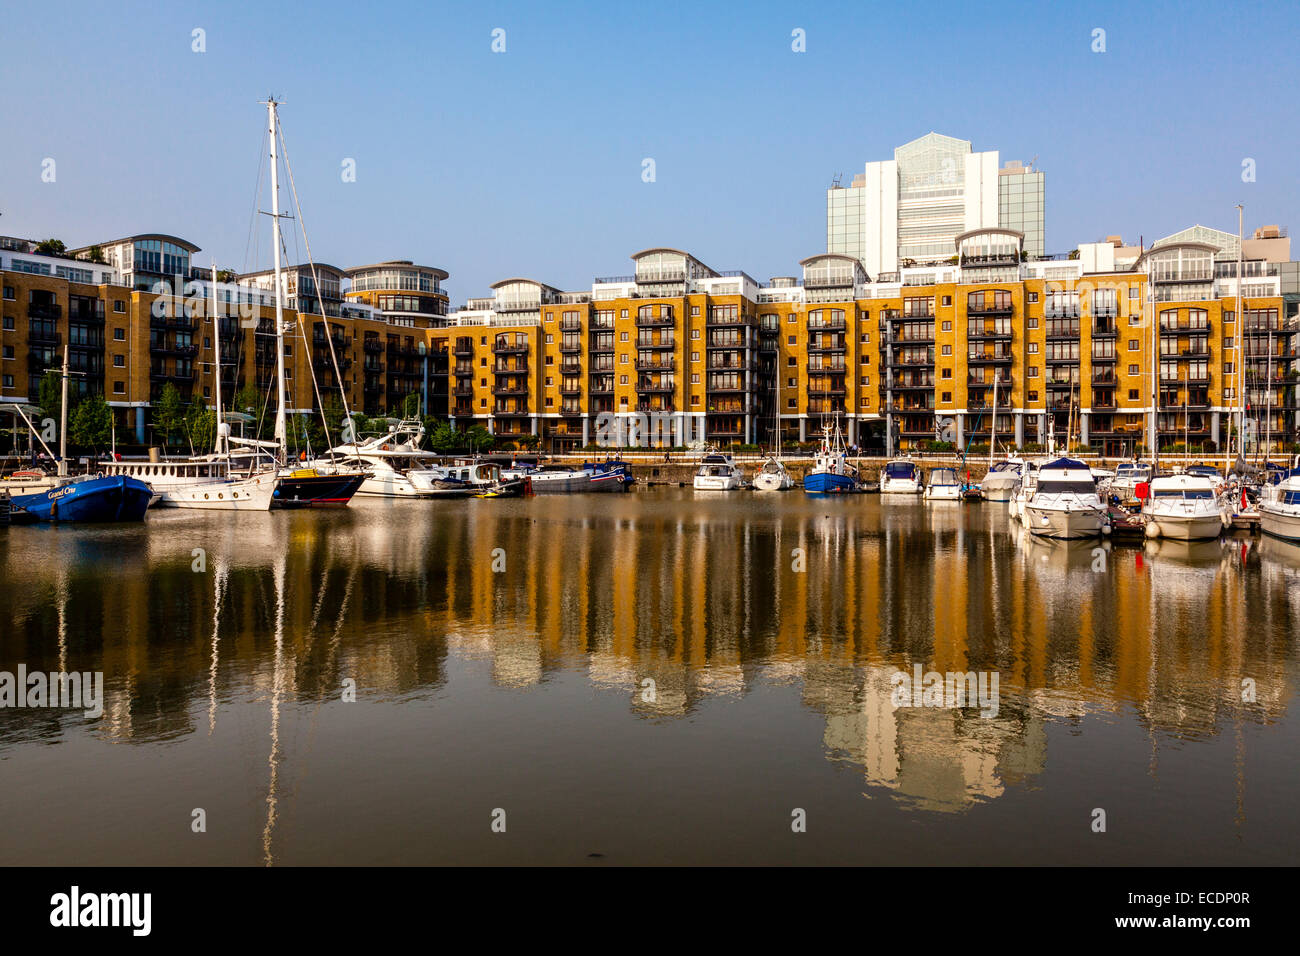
[
  {"x": 530, "y": 442},
  {"x": 169, "y": 413},
  {"x": 95, "y": 254},
  {"x": 51, "y": 247},
  {"x": 411, "y": 405},
  {"x": 201, "y": 428},
  {"x": 479, "y": 439},
  {"x": 91, "y": 424},
  {"x": 250, "y": 401},
  {"x": 226, "y": 275},
  {"x": 51, "y": 394},
  {"x": 443, "y": 438}
]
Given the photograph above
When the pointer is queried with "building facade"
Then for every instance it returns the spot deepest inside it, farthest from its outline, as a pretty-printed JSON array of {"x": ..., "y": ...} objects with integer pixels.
[{"x": 909, "y": 210}]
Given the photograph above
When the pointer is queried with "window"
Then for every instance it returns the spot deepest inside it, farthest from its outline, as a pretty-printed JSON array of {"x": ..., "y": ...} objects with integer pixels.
[
  {"x": 1033, "y": 297},
  {"x": 622, "y": 359},
  {"x": 1227, "y": 342},
  {"x": 695, "y": 356},
  {"x": 947, "y": 300},
  {"x": 549, "y": 381},
  {"x": 1132, "y": 394},
  {"x": 622, "y": 380},
  {"x": 695, "y": 399},
  {"x": 946, "y": 398},
  {"x": 8, "y": 381},
  {"x": 947, "y": 325},
  {"x": 1134, "y": 345},
  {"x": 9, "y": 292},
  {"x": 550, "y": 360},
  {"x": 695, "y": 310},
  {"x": 9, "y": 351},
  {"x": 1132, "y": 292},
  {"x": 866, "y": 360},
  {"x": 695, "y": 378},
  {"x": 482, "y": 403},
  {"x": 1033, "y": 396},
  {"x": 789, "y": 402},
  {"x": 119, "y": 305},
  {"x": 119, "y": 361},
  {"x": 866, "y": 380},
  {"x": 9, "y": 323},
  {"x": 1134, "y": 370},
  {"x": 550, "y": 339},
  {"x": 791, "y": 361},
  {"x": 1227, "y": 368},
  {"x": 695, "y": 333},
  {"x": 622, "y": 313},
  {"x": 866, "y": 337},
  {"x": 1032, "y": 322},
  {"x": 1033, "y": 348},
  {"x": 792, "y": 319},
  {"x": 947, "y": 350},
  {"x": 550, "y": 402},
  {"x": 946, "y": 373},
  {"x": 119, "y": 388},
  {"x": 119, "y": 335},
  {"x": 1033, "y": 371}
]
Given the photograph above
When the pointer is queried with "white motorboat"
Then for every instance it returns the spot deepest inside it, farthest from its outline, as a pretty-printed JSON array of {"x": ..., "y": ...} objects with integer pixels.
[
  {"x": 900, "y": 477},
  {"x": 944, "y": 485},
  {"x": 1002, "y": 480},
  {"x": 772, "y": 476},
  {"x": 1128, "y": 475},
  {"x": 1279, "y": 507},
  {"x": 254, "y": 493},
  {"x": 717, "y": 472},
  {"x": 1060, "y": 500},
  {"x": 397, "y": 466},
  {"x": 1186, "y": 508}
]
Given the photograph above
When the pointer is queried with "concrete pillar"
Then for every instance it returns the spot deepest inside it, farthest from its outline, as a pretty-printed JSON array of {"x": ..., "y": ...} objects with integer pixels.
[
  {"x": 961, "y": 430},
  {"x": 139, "y": 424},
  {"x": 586, "y": 430},
  {"x": 803, "y": 428},
  {"x": 533, "y": 423},
  {"x": 1042, "y": 427},
  {"x": 1020, "y": 429},
  {"x": 1214, "y": 429},
  {"x": 852, "y": 438},
  {"x": 749, "y": 429},
  {"x": 1083, "y": 427}
]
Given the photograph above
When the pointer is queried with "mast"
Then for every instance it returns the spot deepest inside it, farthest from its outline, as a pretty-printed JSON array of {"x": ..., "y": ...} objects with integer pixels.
[
  {"x": 993, "y": 425},
  {"x": 63, "y": 416},
  {"x": 1241, "y": 353},
  {"x": 216, "y": 345},
  {"x": 281, "y": 434}
]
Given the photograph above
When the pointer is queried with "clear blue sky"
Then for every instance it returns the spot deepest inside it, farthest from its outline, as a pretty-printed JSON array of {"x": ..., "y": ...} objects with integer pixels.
[{"x": 528, "y": 162}]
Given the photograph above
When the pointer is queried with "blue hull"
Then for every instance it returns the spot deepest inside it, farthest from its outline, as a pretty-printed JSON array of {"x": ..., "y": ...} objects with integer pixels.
[
  {"x": 823, "y": 482},
  {"x": 117, "y": 498}
]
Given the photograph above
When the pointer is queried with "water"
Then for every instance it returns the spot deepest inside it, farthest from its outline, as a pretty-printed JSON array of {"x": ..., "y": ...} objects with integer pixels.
[{"x": 516, "y": 680}]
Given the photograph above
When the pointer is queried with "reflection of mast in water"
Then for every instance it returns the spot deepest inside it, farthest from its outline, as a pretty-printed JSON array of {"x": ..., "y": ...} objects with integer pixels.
[
  {"x": 273, "y": 761},
  {"x": 218, "y": 593},
  {"x": 61, "y": 601}
]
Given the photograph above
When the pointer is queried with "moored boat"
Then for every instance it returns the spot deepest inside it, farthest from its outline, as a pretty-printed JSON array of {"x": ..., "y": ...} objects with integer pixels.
[
  {"x": 717, "y": 472},
  {"x": 1185, "y": 507},
  {"x": 1002, "y": 479},
  {"x": 1279, "y": 507},
  {"x": 831, "y": 472},
  {"x": 900, "y": 476},
  {"x": 1062, "y": 501},
  {"x": 944, "y": 485},
  {"x": 88, "y": 498}
]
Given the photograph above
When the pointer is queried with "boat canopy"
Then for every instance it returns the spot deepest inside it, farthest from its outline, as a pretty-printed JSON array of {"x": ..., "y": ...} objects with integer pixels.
[
  {"x": 900, "y": 469},
  {"x": 1062, "y": 464},
  {"x": 1006, "y": 466},
  {"x": 944, "y": 476}
]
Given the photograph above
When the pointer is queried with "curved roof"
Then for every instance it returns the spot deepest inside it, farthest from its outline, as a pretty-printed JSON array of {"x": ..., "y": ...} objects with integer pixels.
[
  {"x": 177, "y": 240},
  {"x": 540, "y": 285},
  {"x": 828, "y": 255},
  {"x": 646, "y": 252},
  {"x": 398, "y": 264},
  {"x": 1171, "y": 246},
  {"x": 987, "y": 231}
]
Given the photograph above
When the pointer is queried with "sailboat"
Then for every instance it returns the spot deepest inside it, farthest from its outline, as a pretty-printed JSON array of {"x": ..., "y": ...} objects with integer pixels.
[{"x": 773, "y": 476}]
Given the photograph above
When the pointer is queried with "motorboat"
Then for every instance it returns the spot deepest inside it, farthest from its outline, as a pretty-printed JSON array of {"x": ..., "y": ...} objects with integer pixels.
[
  {"x": 1002, "y": 479},
  {"x": 944, "y": 485},
  {"x": 717, "y": 472},
  {"x": 1184, "y": 507},
  {"x": 1128, "y": 475},
  {"x": 1060, "y": 500},
  {"x": 900, "y": 476},
  {"x": 1279, "y": 507},
  {"x": 396, "y": 466},
  {"x": 561, "y": 479},
  {"x": 772, "y": 476},
  {"x": 88, "y": 498},
  {"x": 831, "y": 471}
]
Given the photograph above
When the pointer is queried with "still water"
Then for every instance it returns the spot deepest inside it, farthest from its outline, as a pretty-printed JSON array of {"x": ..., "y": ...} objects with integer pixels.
[{"x": 658, "y": 677}]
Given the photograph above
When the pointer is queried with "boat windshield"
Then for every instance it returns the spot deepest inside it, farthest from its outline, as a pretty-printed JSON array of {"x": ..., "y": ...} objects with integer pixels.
[
  {"x": 1291, "y": 497},
  {"x": 1005, "y": 466},
  {"x": 1189, "y": 493},
  {"x": 943, "y": 476},
  {"x": 1063, "y": 486},
  {"x": 900, "y": 469},
  {"x": 1134, "y": 470}
]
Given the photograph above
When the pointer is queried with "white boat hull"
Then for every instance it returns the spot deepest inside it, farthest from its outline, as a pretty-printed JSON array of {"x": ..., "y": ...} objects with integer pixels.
[
  {"x": 712, "y": 483},
  {"x": 1064, "y": 523},
  {"x": 899, "y": 486},
  {"x": 1278, "y": 523},
  {"x": 943, "y": 493},
  {"x": 996, "y": 488},
  {"x": 245, "y": 494},
  {"x": 766, "y": 481},
  {"x": 1185, "y": 527}
]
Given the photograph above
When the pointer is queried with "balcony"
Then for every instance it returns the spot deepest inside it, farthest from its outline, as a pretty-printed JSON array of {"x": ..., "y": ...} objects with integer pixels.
[
  {"x": 653, "y": 387},
  {"x": 510, "y": 347},
  {"x": 464, "y": 347},
  {"x": 727, "y": 320},
  {"x": 44, "y": 337},
  {"x": 989, "y": 262},
  {"x": 1108, "y": 358},
  {"x": 463, "y": 389},
  {"x": 663, "y": 343},
  {"x": 652, "y": 321},
  {"x": 665, "y": 362},
  {"x": 601, "y": 344},
  {"x": 44, "y": 312},
  {"x": 825, "y": 391},
  {"x": 1001, "y": 310},
  {"x": 510, "y": 391},
  {"x": 176, "y": 323},
  {"x": 568, "y": 345},
  {"x": 570, "y": 367},
  {"x": 571, "y": 324},
  {"x": 570, "y": 387},
  {"x": 373, "y": 346},
  {"x": 600, "y": 388}
]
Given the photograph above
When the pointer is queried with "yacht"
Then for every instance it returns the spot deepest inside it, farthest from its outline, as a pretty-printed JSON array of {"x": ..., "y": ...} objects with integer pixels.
[
  {"x": 717, "y": 472},
  {"x": 561, "y": 479},
  {"x": 1185, "y": 507},
  {"x": 1128, "y": 475},
  {"x": 772, "y": 476},
  {"x": 1002, "y": 480},
  {"x": 831, "y": 471},
  {"x": 900, "y": 477},
  {"x": 944, "y": 485},
  {"x": 1279, "y": 507},
  {"x": 1060, "y": 500},
  {"x": 205, "y": 483},
  {"x": 396, "y": 465}
]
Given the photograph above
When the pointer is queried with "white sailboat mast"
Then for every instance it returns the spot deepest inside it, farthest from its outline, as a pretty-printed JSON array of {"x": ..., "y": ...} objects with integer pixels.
[
  {"x": 281, "y": 433},
  {"x": 216, "y": 348}
]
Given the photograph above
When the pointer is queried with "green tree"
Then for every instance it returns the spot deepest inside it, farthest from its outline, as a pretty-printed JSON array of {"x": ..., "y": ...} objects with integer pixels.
[
  {"x": 201, "y": 428},
  {"x": 411, "y": 406},
  {"x": 51, "y": 394},
  {"x": 443, "y": 438},
  {"x": 226, "y": 275},
  {"x": 250, "y": 401},
  {"x": 169, "y": 413},
  {"x": 479, "y": 439},
  {"x": 51, "y": 247},
  {"x": 95, "y": 254},
  {"x": 91, "y": 423},
  {"x": 530, "y": 442}
]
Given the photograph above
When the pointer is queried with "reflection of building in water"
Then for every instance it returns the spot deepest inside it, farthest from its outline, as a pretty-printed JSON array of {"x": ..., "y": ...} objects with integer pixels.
[{"x": 703, "y": 598}]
